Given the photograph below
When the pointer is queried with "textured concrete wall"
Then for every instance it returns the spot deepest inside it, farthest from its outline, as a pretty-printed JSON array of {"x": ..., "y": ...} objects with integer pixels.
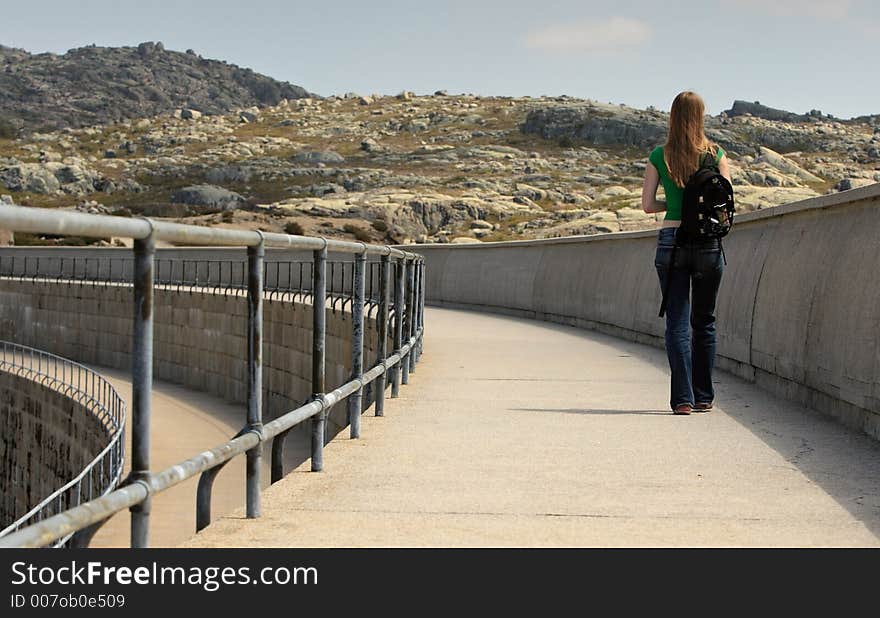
[
  {"x": 200, "y": 340},
  {"x": 798, "y": 310},
  {"x": 46, "y": 439}
]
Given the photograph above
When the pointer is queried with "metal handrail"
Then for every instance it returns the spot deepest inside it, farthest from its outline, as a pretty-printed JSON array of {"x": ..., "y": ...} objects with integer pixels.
[
  {"x": 291, "y": 279},
  {"x": 70, "y": 223},
  {"x": 91, "y": 390},
  {"x": 400, "y": 306}
]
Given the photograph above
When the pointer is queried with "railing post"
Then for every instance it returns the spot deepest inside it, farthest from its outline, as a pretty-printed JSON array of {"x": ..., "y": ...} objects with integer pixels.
[
  {"x": 254, "y": 374},
  {"x": 407, "y": 318},
  {"x": 400, "y": 273},
  {"x": 418, "y": 310},
  {"x": 411, "y": 315},
  {"x": 277, "y": 466},
  {"x": 424, "y": 301},
  {"x": 382, "y": 353},
  {"x": 355, "y": 402},
  {"x": 142, "y": 383},
  {"x": 319, "y": 314}
]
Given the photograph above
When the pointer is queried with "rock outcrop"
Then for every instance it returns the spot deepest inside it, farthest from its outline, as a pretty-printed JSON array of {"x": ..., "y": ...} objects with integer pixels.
[
  {"x": 742, "y": 108},
  {"x": 208, "y": 195},
  {"x": 98, "y": 85},
  {"x": 597, "y": 124}
]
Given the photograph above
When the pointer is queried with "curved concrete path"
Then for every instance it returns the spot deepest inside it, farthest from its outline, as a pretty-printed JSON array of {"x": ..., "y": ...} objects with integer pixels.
[
  {"x": 521, "y": 433},
  {"x": 184, "y": 423}
]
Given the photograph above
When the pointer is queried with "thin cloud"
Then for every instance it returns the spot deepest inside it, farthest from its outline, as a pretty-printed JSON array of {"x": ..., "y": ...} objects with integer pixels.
[
  {"x": 594, "y": 35},
  {"x": 818, "y": 9}
]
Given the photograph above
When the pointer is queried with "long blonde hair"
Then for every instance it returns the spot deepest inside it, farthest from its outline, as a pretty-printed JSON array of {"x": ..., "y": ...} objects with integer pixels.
[{"x": 686, "y": 143}]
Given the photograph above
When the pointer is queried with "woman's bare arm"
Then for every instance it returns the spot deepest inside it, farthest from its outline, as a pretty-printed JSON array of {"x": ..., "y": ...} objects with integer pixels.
[
  {"x": 650, "y": 203},
  {"x": 724, "y": 167}
]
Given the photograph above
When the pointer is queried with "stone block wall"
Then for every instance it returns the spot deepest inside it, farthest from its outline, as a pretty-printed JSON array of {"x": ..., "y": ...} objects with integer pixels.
[
  {"x": 200, "y": 341},
  {"x": 46, "y": 440}
]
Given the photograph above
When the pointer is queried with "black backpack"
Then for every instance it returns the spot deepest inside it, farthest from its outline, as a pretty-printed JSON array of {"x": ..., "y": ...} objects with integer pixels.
[
  {"x": 707, "y": 211},
  {"x": 707, "y": 207}
]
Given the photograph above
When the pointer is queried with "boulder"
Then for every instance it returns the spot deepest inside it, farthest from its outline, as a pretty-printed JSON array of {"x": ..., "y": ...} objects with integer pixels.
[
  {"x": 772, "y": 179},
  {"x": 578, "y": 228},
  {"x": 603, "y": 221},
  {"x": 190, "y": 114},
  {"x": 32, "y": 177},
  {"x": 49, "y": 155},
  {"x": 149, "y": 48},
  {"x": 319, "y": 156},
  {"x": 370, "y": 145},
  {"x": 630, "y": 219},
  {"x": 479, "y": 224},
  {"x": 69, "y": 174},
  {"x": 528, "y": 191},
  {"x": 208, "y": 195},
  {"x": 615, "y": 191},
  {"x": 848, "y": 184},
  {"x": 785, "y": 165}
]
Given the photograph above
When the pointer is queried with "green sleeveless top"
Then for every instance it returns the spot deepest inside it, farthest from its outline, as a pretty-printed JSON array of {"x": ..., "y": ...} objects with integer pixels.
[{"x": 673, "y": 192}]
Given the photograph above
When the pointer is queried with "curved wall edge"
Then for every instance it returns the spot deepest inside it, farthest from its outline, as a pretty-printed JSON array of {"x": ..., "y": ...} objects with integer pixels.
[{"x": 798, "y": 310}]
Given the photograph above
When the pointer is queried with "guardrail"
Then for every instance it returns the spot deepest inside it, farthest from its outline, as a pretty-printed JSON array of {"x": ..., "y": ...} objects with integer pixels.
[
  {"x": 397, "y": 273},
  {"x": 283, "y": 279},
  {"x": 98, "y": 396}
]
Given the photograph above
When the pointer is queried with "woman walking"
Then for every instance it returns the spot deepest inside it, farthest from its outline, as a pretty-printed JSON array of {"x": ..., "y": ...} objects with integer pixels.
[{"x": 693, "y": 279}]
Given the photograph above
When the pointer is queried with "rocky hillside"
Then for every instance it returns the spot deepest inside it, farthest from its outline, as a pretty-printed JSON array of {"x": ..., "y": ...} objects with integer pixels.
[
  {"x": 409, "y": 168},
  {"x": 99, "y": 85}
]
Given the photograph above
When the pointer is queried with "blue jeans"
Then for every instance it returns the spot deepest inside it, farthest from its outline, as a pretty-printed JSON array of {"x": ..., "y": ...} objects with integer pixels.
[{"x": 697, "y": 267}]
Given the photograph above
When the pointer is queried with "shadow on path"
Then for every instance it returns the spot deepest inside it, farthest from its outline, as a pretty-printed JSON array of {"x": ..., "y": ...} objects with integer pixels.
[{"x": 845, "y": 464}]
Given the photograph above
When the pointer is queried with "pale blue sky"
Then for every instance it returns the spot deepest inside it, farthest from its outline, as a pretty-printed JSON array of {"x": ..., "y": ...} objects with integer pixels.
[{"x": 794, "y": 54}]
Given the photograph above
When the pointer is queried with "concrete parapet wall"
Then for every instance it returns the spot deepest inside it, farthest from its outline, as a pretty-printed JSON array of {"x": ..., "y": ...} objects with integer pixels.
[
  {"x": 46, "y": 439},
  {"x": 798, "y": 310},
  {"x": 200, "y": 341}
]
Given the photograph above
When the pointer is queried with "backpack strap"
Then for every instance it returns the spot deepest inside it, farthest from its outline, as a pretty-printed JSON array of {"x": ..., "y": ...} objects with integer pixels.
[
  {"x": 665, "y": 300},
  {"x": 708, "y": 160}
]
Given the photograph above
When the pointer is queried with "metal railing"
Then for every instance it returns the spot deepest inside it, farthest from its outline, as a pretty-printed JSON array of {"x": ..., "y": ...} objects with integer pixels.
[
  {"x": 89, "y": 389},
  {"x": 405, "y": 303},
  {"x": 282, "y": 279}
]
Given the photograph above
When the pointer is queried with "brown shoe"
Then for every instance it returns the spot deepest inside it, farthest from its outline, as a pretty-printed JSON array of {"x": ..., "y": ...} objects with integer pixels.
[
  {"x": 702, "y": 407},
  {"x": 683, "y": 409}
]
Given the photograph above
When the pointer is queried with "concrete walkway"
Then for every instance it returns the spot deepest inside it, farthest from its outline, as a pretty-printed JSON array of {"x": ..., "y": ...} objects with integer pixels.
[
  {"x": 521, "y": 433},
  {"x": 184, "y": 422}
]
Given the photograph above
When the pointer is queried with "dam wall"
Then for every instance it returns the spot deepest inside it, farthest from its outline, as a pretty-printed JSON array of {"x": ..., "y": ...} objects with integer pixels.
[{"x": 798, "y": 310}]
